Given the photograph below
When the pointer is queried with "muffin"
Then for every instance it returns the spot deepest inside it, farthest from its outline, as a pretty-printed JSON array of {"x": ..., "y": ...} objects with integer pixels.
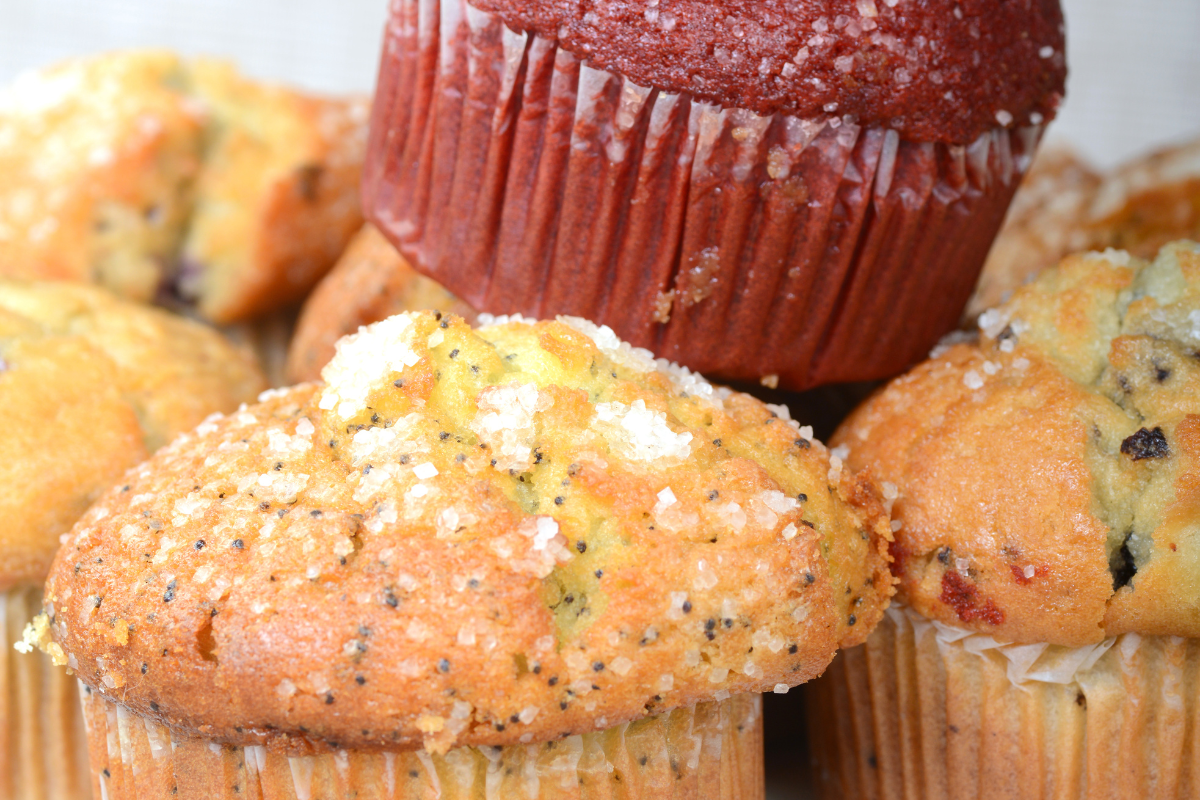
[
  {"x": 798, "y": 192},
  {"x": 1043, "y": 225},
  {"x": 89, "y": 386},
  {"x": 527, "y": 559},
  {"x": 1150, "y": 201},
  {"x": 1045, "y": 485},
  {"x": 1064, "y": 206},
  {"x": 177, "y": 180},
  {"x": 370, "y": 282}
]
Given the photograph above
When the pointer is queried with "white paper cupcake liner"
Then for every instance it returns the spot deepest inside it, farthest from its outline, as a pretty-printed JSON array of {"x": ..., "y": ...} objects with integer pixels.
[
  {"x": 710, "y": 752},
  {"x": 923, "y": 711},
  {"x": 43, "y": 753}
]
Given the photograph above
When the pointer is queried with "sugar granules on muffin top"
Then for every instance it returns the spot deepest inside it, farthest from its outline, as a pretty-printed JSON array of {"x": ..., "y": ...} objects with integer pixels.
[
  {"x": 371, "y": 281},
  {"x": 176, "y": 180},
  {"x": 1045, "y": 480},
  {"x": 469, "y": 537}
]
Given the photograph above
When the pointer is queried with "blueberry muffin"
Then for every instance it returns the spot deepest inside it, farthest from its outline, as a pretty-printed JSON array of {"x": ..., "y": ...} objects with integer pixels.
[
  {"x": 1044, "y": 484},
  {"x": 176, "y": 180}
]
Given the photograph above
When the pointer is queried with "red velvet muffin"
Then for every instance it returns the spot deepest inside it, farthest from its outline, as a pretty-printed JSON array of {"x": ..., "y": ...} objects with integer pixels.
[{"x": 800, "y": 189}]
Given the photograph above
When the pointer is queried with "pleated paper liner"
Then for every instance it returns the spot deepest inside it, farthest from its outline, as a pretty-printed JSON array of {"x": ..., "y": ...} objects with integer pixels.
[
  {"x": 44, "y": 751},
  {"x": 740, "y": 245},
  {"x": 710, "y": 752},
  {"x": 924, "y": 711}
]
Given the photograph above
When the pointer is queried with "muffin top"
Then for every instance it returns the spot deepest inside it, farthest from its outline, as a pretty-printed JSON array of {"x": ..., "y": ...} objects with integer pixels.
[
  {"x": 1047, "y": 476},
  {"x": 1064, "y": 206},
  {"x": 89, "y": 386},
  {"x": 470, "y": 537},
  {"x": 166, "y": 179},
  {"x": 934, "y": 70},
  {"x": 97, "y": 156},
  {"x": 1149, "y": 201}
]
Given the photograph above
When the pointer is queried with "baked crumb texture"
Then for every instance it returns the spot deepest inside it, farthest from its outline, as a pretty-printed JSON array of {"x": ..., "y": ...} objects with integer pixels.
[
  {"x": 176, "y": 180},
  {"x": 1046, "y": 475},
  {"x": 91, "y": 385},
  {"x": 485, "y": 537}
]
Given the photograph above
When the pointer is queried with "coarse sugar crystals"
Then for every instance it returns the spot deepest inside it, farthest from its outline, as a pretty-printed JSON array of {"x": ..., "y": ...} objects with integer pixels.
[
  {"x": 364, "y": 359},
  {"x": 640, "y": 433},
  {"x": 505, "y": 422}
]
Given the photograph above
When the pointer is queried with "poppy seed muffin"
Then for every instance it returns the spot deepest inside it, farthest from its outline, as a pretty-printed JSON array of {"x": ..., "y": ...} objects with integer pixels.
[
  {"x": 175, "y": 180},
  {"x": 1046, "y": 485},
  {"x": 497, "y": 537},
  {"x": 90, "y": 385}
]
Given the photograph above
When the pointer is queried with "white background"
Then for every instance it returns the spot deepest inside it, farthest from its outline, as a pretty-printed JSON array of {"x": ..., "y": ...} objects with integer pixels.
[{"x": 1134, "y": 84}]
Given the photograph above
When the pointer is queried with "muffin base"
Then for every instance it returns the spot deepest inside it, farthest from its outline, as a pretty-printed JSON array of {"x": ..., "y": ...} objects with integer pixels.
[
  {"x": 43, "y": 755},
  {"x": 741, "y": 245},
  {"x": 712, "y": 751},
  {"x": 923, "y": 710}
]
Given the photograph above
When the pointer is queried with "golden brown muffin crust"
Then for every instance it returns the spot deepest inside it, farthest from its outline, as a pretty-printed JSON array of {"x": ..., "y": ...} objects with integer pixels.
[
  {"x": 277, "y": 200},
  {"x": 97, "y": 157},
  {"x": 467, "y": 537},
  {"x": 90, "y": 386},
  {"x": 166, "y": 179},
  {"x": 1147, "y": 203},
  {"x": 1064, "y": 206},
  {"x": 1047, "y": 474},
  {"x": 371, "y": 281}
]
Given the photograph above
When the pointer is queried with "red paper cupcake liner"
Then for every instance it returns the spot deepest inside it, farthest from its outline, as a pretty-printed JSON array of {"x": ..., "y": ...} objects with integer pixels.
[{"x": 740, "y": 245}]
